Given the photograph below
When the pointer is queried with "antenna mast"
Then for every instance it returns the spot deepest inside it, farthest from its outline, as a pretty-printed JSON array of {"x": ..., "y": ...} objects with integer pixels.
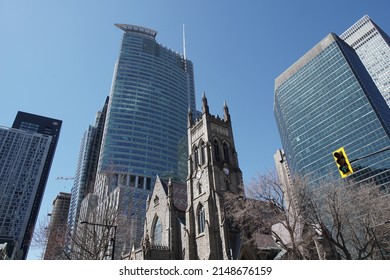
[{"x": 184, "y": 44}]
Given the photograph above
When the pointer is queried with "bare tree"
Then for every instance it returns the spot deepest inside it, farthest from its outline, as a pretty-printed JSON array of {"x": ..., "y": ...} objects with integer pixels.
[
  {"x": 107, "y": 224},
  {"x": 271, "y": 208},
  {"x": 352, "y": 218},
  {"x": 91, "y": 240},
  {"x": 330, "y": 222}
]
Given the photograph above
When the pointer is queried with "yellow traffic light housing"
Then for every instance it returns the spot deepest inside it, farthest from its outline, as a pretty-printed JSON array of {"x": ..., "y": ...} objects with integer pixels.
[{"x": 342, "y": 162}]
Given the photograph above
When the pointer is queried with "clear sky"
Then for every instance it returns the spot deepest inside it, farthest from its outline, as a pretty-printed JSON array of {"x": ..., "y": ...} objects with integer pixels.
[{"x": 57, "y": 60}]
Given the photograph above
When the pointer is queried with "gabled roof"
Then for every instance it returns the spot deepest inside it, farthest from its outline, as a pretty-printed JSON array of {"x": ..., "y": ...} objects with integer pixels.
[
  {"x": 179, "y": 193},
  {"x": 265, "y": 242}
]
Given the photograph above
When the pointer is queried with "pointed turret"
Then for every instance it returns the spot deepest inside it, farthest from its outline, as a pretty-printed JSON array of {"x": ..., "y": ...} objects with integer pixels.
[
  {"x": 190, "y": 121},
  {"x": 226, "y": 115},
  {"x": 170, "y": 193},
  {"x": 205, "y": 107}
]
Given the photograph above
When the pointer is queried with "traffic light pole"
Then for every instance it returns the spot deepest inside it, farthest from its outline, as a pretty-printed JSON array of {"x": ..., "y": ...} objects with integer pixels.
[{"x": 372, "y": 154}]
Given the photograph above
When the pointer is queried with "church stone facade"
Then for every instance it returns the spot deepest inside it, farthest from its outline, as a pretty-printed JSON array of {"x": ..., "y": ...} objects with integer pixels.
[{"x": 189, "y": 221}]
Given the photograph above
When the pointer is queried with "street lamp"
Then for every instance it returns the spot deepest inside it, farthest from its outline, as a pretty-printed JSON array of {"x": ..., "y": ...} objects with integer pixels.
[{"x": 108, "y": 228}]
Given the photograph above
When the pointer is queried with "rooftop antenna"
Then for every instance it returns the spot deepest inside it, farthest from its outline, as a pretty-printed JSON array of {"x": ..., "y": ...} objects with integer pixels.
[
  {"x": 184, "y": 43},
  {"x": 185, "y": 68}
]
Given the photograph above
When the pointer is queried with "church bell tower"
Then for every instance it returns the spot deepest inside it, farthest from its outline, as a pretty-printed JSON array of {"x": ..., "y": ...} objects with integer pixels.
[{"x": 213, "y": 172}]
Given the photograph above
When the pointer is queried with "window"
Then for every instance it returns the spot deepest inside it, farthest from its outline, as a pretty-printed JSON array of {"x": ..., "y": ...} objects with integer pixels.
[
  {"x": 201, "y": 219},
  {"x": 156, "y": 200},
  {"x": 157, "y": 232},
  {"x": 199, "y": 188},
  {"x": 196, "y": 156},
  {"x": 217, "y": 156},
  {"x": 226, "y": 152},
  {"x": 203, "y": 153}
]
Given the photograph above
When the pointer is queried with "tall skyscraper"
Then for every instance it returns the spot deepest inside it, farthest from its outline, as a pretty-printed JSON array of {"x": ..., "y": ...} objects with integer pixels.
[
  {"x": 57, "y": 228},
  {"x": 327, "y": 100},
  {"x": 86, "y": 171},
  {"x": 371, "y": 44},
  {"x": 152, "y": 90},
  {"x": 145, "y": 132},
  {"x": 26, "y": 154}
]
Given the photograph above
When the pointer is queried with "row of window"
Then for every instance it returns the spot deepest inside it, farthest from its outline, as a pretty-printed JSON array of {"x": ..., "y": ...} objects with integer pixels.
[
  {"x": 323, "y": 106},
  {"x": 199, "y": 153}
]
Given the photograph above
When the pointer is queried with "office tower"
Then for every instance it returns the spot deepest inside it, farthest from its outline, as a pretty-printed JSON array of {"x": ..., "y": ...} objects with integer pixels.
[
  {"x": 45, "y": 126},
  {"x": 283, "y": 173},
  {"x": 371, "y": 44},
  {"x": 327, "y": 100},
  {"x": 282, "y": 169},
  {"x": 26, "y": 153},
  {"x": 22, "y": 159},
  {"x": 84, "y": 180},
  {"x": 146, "y": 125},
  {"x": 152, "y": 89},
  {"x": 57, "y": 228}
]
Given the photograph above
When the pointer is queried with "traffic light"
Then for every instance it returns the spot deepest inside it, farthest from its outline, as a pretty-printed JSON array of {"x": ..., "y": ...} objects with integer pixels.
[{"x": 342, "y": 162}]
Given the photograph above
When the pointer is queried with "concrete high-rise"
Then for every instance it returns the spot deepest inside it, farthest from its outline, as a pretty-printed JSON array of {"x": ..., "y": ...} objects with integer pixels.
[
  {"x": 327, "y": 100},
  {"x": 26, "y": 155},
  {"x": 145, "y": 132},
  {"x": 372, "y": 45},
  {"x": 55, "y": 246}
]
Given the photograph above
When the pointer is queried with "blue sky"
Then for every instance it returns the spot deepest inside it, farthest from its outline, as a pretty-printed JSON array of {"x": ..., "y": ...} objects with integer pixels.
[{"x": 57, "y": 60}]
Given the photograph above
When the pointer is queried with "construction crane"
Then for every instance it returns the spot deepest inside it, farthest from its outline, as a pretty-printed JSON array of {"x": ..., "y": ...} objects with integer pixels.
[{"x": 65, "y": 178}]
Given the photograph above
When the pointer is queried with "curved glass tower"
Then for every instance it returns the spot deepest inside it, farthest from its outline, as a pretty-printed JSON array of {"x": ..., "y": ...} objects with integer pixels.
[
  {"x": 145, "y": 131},
  {"x": 152, "y": 89}
]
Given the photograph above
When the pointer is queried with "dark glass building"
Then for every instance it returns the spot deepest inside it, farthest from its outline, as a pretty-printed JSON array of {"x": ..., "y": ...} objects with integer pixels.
[{"x": 327, "y": 100}]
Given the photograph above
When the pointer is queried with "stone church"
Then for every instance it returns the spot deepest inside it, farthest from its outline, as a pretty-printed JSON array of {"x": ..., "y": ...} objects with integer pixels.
[{"x": 188, "y": 221}]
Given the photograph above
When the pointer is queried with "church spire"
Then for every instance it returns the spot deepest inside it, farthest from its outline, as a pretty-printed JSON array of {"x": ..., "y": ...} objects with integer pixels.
[
  {"x": 226, "y": 114},
  {"x": 205, "y": 107},
  {"x": 190, "y": 121}
]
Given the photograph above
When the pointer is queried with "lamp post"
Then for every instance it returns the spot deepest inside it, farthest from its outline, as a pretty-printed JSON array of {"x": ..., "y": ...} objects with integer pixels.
[{"x": 108, "y": 228}]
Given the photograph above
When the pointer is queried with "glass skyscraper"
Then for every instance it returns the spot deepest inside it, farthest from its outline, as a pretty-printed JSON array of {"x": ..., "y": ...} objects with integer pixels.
[
  {"x": 371, "y": 44},
  {"x": 87, "y": 163},
  {"x": 327, "y": 100},
  {"x": 145, "y": 132},
  {"x": 152, "y": 90}
]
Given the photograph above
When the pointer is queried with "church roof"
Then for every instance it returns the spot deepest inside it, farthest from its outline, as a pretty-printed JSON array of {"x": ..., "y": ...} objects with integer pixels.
[
  {"x": 179, "y": 194},
  {"x": 265, "y": 242}
]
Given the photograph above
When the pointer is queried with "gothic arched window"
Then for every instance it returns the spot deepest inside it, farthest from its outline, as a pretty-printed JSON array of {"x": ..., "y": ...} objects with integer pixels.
[
  {"x": 202, "y": 153},
  {"x": 196, "y": 155},
  {"x": 157, "y": 232},
  {"x": 199, "y": 188},
  {"x": 226, "y": 151},
  {"x": 217, "y": 156},
  {"x": 201, "y": 219}
]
